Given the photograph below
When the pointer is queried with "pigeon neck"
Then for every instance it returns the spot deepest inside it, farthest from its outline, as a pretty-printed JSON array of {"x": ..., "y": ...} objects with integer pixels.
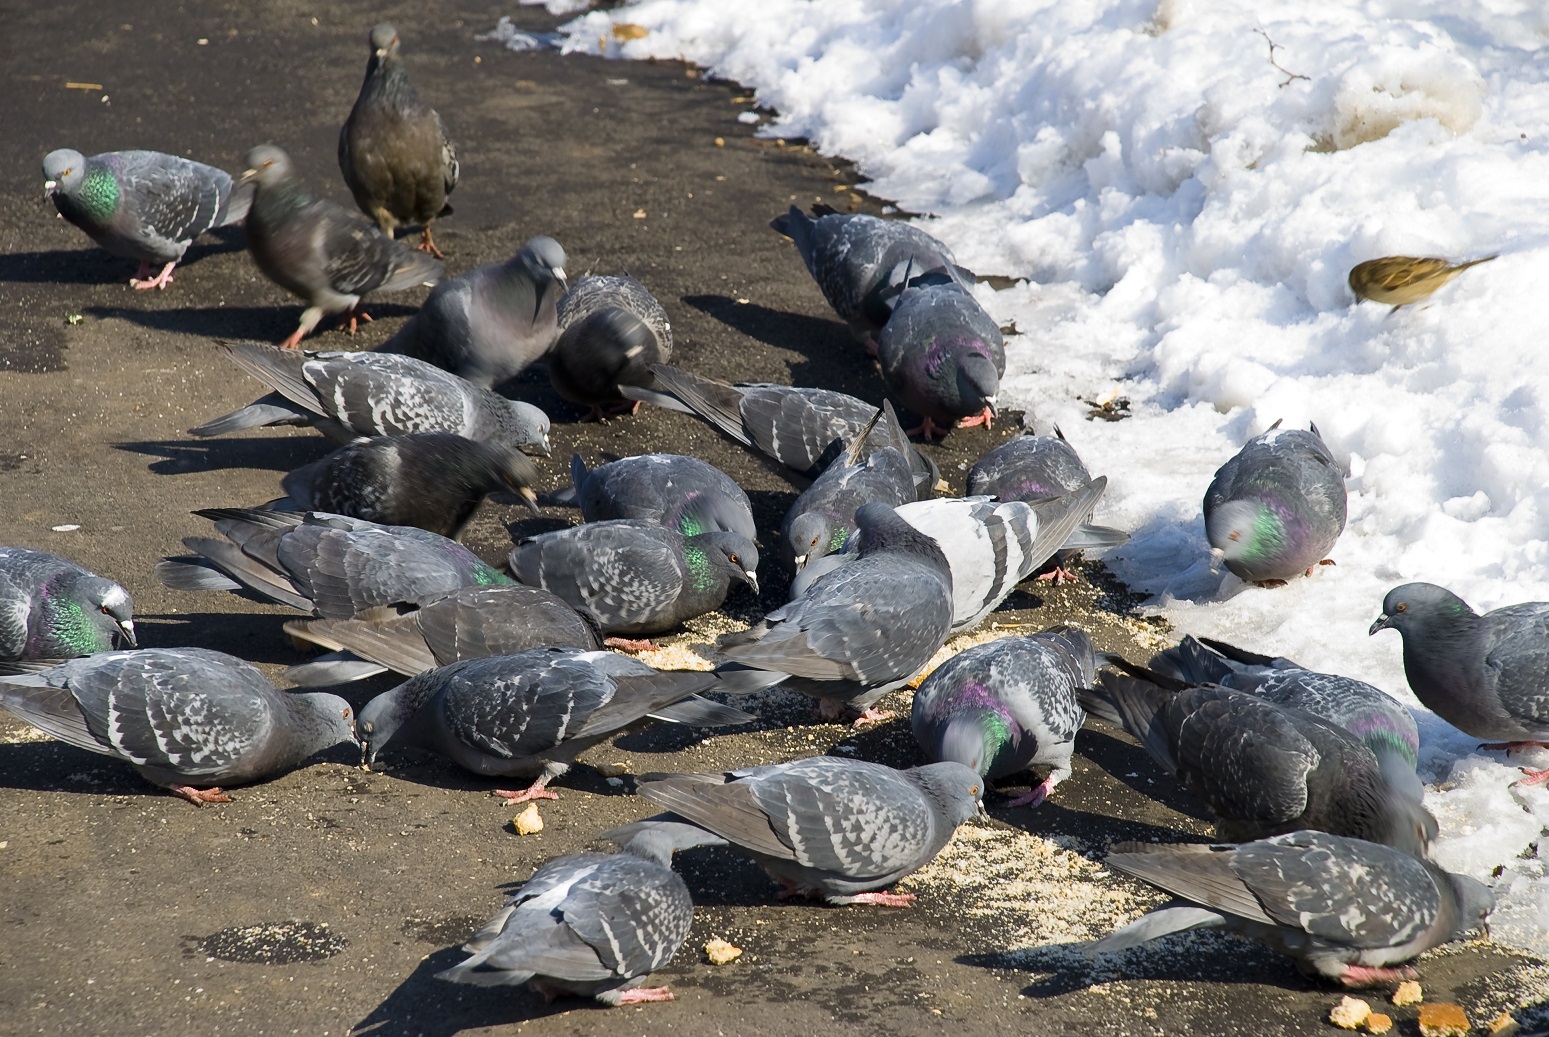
[
  {"x": 705, "y": 577},
  {"x": 67, "y": 622},
  {"x": 97, "y": 198},
  {"x": 278, "y": 199},
  {"x": 978, "y": 731}
]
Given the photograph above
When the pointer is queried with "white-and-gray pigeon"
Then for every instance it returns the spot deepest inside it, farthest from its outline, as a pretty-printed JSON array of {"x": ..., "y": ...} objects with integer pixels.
[
  {"x": 330, "y": 566},
  {"x": 1262, "y": 769},
  {"x": 188, "y": 719},
  {"x": 683, "y": 493},
  {"x": 1007, "y": 706},
  {"x": 828, "y": 827},
  {"x": 433, "y": 480},
  {"x": 1033, "y": 468},
  {"x": 1487, "y": 675},
  {"x": 592, "y": 924},
  {"x": 1348, "y": 911},
  {"x": 612, "y": 330},
  {"x": 471, "y": 623},
  {"x": 636, "y": 577},
  {"x": 318, "y": 249},
  {"x": 1275, "y": 509},
  {"x": 347, "y": 395},
  {"x": 143, "y": 205},
  {"x": 393, "y": 150},
  {"x": 52, "y": 609},
  {"x": 489, "y": 324},
  {"x": 532, "y": 713},
  {"x": 862, "y": 263},
  {"x": 859, "y": 631},
  {"x": 942, "y": 357}
]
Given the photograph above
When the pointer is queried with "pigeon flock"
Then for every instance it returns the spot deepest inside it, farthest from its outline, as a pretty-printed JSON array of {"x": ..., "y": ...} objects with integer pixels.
[{"x": 516, "y": 669}]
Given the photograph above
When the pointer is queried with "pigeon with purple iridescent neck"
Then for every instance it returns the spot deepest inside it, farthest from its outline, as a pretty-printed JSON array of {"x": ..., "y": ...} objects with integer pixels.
[
  {"x": 942, "y": 357},
  {"x": 52, "y": 609},
  {"x": 1033, "y": 468}
]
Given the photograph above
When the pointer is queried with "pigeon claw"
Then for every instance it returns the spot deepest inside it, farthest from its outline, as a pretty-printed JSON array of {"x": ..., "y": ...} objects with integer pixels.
[
  {"x": 294, "y": 341},
  {"x": 1034, "y": 796},
  {"x": 1058, "y": 575},
  {"x": 641, "y": 995},
  {"x": 625, "y": 644},
  {"x": 1355, "y": 976},
  {"x": 428, "y": 244},
  {"x": 986, "y": 417},
  {"x": 199, "y": 797},
  {"x": 1539, "y": 777},
  {"x": 929, "y": 430},
  {"x": 882, "y": 899},
  {"x": 139, "y": 282},
  {"x": 873, "y": 715},
  {"x": 355, "y": 316},
  {"x": 532, "y": 792}
]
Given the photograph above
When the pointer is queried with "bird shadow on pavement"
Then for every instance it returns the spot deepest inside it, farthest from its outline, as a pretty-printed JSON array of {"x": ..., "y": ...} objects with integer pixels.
[
  {"x": 1129, "y": 764},
  {"x": 261, "y": 323},
  {"x": 430, "y": 1007},
  {"x": 1192, "y": 957},
  {"x": 65, "y": 266},
  {"x": 274, "y": 453},
  {"x": 834, "y": 360},
  {"x": 52, "y": 766}
]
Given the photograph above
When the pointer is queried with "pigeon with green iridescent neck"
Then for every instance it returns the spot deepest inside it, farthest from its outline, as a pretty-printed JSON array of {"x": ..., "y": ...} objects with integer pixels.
[
  {"x": 532, "y": 713},
  {"x": 318, "y": 249},
  {"x": 186, "y": 718},
  {"x": 683, "y": 493},
  {"x": 1033, "y": 468},
  {"x": 393, "y": 150},
  {"x": 636, "y": 577},
  {"x": 143, "y": 205},
  {"x": 53, "y": 609},
  {"x": 612, "y": 330},
  {"x": 325, "y": 565},
  {"x": 1380, "y": 721},
  {"x": 1275, "y": 509},
  {"x": 1348, "y": 911},
  {"x": 1007, "y": 706},
  {"x": 942, "y": 357},
  {"x": 1486, "y": 675}
]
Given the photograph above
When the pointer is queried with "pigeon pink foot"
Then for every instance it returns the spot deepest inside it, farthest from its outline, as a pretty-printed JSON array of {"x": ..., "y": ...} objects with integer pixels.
[
  {"x": 883, "y": 899},
  {"x": 1058, "y": 575},
  {"x": 1374, "y": 976},
  {"x": 873, "y": 715},
  {"x": 161, "y": 280},
  {"x": 985, "y": 417},
  {"x": 641, "y": 995},
  {"x": 199, "y": 797},
  {"x": 1533, "y": 777},
  {"x": 534, "y": 791},
  {"x": 929, "y": 430},
  {"x": 625, "y": 644},
  {"x": 428, "y": 244},
  {"x": 1034, "y": 796}
]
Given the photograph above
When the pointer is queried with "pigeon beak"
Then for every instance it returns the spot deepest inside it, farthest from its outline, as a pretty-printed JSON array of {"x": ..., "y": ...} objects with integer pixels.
[
  {"x": 247, "y": 177},
  {"x": 1380, "y": 623},
  {"x": 545, "y": 448},
  {"x": 127, "y": 626},
  {"x": 559, "y": 275},
  {"x": 801, "y": 561},
  {"x": 530, "y": 497},
  {"x": 989, "y": 405},
  {"x": 752, "y": 579},
  {"x": 49, "y": 187}
]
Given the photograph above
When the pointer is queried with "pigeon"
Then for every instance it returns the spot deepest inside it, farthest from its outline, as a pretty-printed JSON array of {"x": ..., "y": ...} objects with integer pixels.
[
  {"x": 1348, "y": 911},
  {"x": 682, "y": 493},
  {"x": 52, "y": 609},
  {"x": 1261, "y": 768},
  {"x": 471, "y": 623},
  {"x": 1383, "y": 724},
  {"x": 801, "y": 429},
  {"x": 433, "y": 480},
  {"x": 942, "y": 357},
  {"x": 860, "y": 631},
  {"x": 636, "y": 577},
  {"x": 1487, "y": 676},
  {"x": 1033, "y": 468},
  {"x": 1008, "y": 706},
  {"x": 330, "y": 566},
  {"x": 990, "y": 547},
  {"x": 1400, "y": 280},
  {"x": 488, "y": 325},
  {"x": 533, "y": 712},
  {"x": 822, "y": 518},
  {"x": 142, "y": 205},
  {"x": 612, "y": 330},
  {"x": 862, "y": 263},
  {"x": 1274, "y": 510},
  {"x": 320, "y": 250},
  {"x": 823, "y": 826},
  {"x": 348, "y": 395},
  {"x": 186, "y": 718},
  {"x": 592, "y": 924},
  {"x": 393, "y": 150}
]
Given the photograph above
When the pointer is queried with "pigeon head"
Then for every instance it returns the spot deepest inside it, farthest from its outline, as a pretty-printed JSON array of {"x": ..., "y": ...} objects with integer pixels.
[
  {"x": 975, "y": 737},
  {"x": 813, "y": 535},
  {"x": 1247, "y": 533},
  {"x": 63, "y": 171},
  {"x": 383, "y": 719},
  {"x": 544, "y": 261},
  {"x": 114, "y": 609},
  {"x": 1410, "y": 827},
  {"x": 529, "y": 428},
  {"x": 1422, "y": 608},
  {"x": 511, "y": 469},
  {"x": 266, "y": 165},
  {"x": 1475, "y": 902},
  {"x": 384, "y": 41},
  {"x": 956, "y": 788},
  {"x": 709, "y": 555},
  {"x": 335, "y": 719}
]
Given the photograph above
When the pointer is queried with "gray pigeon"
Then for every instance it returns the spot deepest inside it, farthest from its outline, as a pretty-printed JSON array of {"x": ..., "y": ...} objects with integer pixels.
[
  {"x": 822, "y": 519},
  {"x": 347, "y": 395},
  {"x": 487, "y": 325},
  {"x": 860, "y": 631},
  {"x": 534, "y": 712},
  {"x": 53, "y": 609},
  {"x": 822, "y": 826},
  {"x": 433, "y": 480},
  {"x": 320, "y": 250},
  {"x": 393, "y": 150},
  {"x": 1487, "y": 676},
  {"x": 1383, "y": 724},
  {"x": 142, "y": 205},
  {"x": 636, "y": 577},
  {"x": 990, "y": 547},
  {"x": 185, "y": 718},
  {"x": 1033, "y": 468},
  {"x": 802, "y": 429},
  {"x": 471, "y": 623},
  {"x": 942, "y": 357},
  {"x": 1261, "y": 768},
  {"x": 1347, "y": 910},
  {"x": 591, "y": 924},
  {"x": 1007, "y": 706},
  {"x": 325, "y": 565},
  {"x": 612, "y": 330},
  {"x": 862, "y": 263},
  {"x": 682, "y": 493},
  {"x": 1274, "y": 510}
]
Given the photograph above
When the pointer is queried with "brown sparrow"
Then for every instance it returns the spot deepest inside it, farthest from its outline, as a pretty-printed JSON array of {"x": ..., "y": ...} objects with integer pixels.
[{"x": 1401, "y": 280}]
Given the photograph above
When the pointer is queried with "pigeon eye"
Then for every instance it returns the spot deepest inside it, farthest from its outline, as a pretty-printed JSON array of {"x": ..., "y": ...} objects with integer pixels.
[
  {"x": 1400, "y": 607},
  {"x": 734, "y": 560},
  {"x": 1234, "y": 536}
]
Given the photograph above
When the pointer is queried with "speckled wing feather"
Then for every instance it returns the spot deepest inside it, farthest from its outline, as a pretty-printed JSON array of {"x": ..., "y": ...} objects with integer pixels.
[
  {"x": 1241, "y": 755},
  {"x": 623, "y": 571},
  {"x": 1516, "y": 660},
  {"x": 174, "y": 199},
  {"x": 514, "y": 714}
]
